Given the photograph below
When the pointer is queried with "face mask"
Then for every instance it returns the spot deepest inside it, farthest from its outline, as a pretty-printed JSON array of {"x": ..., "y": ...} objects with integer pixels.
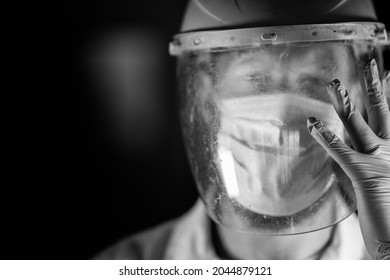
[{"x": 269, "y": 162}]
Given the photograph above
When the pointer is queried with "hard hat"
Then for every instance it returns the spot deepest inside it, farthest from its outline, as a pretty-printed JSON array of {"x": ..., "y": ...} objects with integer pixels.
[{"x": 228, "y": 14}]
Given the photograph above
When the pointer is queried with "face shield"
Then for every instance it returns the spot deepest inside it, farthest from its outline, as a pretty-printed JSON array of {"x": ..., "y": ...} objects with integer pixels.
[{"x": 244, "y": 97}]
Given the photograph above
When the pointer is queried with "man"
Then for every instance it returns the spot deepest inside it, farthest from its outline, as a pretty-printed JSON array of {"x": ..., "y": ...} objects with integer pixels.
[{"x": 250, "y": 74}]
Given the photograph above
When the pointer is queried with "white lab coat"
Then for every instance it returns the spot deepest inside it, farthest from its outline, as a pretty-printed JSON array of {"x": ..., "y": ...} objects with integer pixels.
[{"x": 189, "y": 238}]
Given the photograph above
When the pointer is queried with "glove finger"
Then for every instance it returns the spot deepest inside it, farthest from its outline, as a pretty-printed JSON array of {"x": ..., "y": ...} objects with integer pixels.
[
  {"x": 336, "y": 148},
  {"x": 386, "y": 88},
  {"x": 362, "y": 137},
  {"x": 378, "y": 112}
]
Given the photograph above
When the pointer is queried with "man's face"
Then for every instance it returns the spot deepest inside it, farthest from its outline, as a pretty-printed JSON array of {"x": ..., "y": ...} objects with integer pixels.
[
  {"x": 244, "y": 115},
  {"x": 270, "y": 163}
]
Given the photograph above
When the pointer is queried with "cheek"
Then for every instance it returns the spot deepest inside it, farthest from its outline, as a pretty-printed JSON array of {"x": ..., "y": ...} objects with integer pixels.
[{"x": 235, "y": 86}]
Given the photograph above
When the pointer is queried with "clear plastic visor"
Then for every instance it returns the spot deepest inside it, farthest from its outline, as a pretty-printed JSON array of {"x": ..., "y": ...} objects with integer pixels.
[{"x": 243, "y": 111}]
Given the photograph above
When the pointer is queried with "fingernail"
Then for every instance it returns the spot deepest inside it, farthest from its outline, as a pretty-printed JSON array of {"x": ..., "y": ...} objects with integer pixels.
[
  {"x": 336, "y": 86},
  {"x": 373, "y": 83},
  {"x": 335, "y": 82},
  {"x": 340, "y": 98},
  {"x": 312, "y": 122}
]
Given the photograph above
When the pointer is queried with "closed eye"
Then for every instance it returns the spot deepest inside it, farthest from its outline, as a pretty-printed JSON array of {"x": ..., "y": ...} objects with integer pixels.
[
  {"x": 257, "y": 77},
  {"x": 310, "y": 80}
]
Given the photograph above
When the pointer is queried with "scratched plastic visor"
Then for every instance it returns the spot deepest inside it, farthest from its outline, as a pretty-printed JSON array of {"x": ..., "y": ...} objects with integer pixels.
[{"x": 243, "y": 110}]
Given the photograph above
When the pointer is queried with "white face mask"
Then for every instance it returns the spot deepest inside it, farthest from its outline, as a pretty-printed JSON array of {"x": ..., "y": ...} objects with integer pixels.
[{"x": 269, "y": 162}]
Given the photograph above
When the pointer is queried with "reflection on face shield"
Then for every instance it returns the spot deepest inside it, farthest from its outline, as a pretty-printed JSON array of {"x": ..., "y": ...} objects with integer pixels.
[{"x": 269, "y": 162}]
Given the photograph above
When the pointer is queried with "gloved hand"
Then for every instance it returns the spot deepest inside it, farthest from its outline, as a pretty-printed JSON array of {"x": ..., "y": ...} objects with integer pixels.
[{"x": 368, "y": 164}]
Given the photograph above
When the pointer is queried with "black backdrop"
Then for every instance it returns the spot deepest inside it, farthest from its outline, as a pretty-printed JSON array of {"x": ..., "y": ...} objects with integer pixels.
[{"x": 66, "y": 193}]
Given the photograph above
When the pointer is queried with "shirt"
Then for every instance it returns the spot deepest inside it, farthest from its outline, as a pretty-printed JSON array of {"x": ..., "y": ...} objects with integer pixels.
[{"x": 189, "y": 238}]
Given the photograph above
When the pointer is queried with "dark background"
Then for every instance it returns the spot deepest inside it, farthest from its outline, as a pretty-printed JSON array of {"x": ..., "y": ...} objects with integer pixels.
[{"x": 68, "y": 190}]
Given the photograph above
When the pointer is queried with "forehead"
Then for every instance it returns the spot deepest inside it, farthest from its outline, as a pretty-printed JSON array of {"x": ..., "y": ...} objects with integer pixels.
[{"x": 304, "y": 58}]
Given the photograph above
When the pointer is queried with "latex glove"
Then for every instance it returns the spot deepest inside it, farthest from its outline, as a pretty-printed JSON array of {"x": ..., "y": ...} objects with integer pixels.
[
  {"x": 368, "y": 164},
  {"x": 386, "y": 87}
]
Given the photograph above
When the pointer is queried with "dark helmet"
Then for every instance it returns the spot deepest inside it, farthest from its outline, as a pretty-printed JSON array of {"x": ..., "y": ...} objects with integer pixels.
[{"x": 229, "y": 14}]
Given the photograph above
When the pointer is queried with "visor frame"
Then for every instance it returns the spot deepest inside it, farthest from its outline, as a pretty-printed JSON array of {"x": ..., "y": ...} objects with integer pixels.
[{"x": 219, "y": 40}]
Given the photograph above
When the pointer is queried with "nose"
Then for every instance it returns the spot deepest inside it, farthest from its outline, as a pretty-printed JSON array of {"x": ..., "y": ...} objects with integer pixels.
[{"x": 285, "y": 85}]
